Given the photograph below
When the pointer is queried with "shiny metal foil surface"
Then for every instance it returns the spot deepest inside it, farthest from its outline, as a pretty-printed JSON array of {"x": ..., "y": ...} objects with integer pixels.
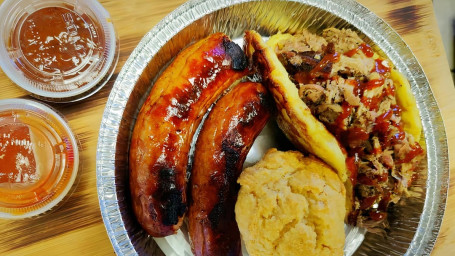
[{"x": 414, "y": 222}]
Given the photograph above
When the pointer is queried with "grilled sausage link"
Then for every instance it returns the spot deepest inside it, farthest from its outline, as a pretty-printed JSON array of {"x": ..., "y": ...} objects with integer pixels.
[
  {"x": 166, "y": 124},
  {"x": 221, "y": 149}
]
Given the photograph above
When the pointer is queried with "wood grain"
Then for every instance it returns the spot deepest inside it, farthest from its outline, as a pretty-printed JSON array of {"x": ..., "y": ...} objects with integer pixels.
[{"x": 76, "y": 227}]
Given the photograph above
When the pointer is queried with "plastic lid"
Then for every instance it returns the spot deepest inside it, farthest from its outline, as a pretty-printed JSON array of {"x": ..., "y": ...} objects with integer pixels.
[
  {"x": 39, "y": 158},
  {"x": 57, "y": 50}
]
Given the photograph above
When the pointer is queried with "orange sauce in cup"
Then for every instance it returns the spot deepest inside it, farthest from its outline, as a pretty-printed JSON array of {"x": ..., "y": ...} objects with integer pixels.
[{"x": 36, "y": 161}]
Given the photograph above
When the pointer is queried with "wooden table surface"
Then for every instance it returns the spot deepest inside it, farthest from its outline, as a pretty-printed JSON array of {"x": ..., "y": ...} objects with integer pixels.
[{"x": 76, "y": 227}]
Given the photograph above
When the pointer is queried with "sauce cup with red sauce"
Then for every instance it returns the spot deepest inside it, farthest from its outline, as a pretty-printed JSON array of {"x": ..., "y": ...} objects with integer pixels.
[{"x": 59, "y": 51}]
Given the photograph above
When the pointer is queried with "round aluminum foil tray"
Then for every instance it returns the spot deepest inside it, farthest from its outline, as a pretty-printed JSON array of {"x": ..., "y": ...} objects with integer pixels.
[{"x": 414, "y": 222}]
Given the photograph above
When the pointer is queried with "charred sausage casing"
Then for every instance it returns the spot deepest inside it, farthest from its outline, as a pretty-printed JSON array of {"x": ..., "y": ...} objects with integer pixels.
[
  {"x": 165, "y": 126},
  {"x": 222, "y": 146}
]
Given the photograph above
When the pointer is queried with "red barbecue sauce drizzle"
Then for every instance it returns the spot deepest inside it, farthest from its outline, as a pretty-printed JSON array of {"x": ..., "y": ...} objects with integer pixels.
[
  {"x": 396, "y": 109},
  {"x": 362, "y": 178},
  {"x": 377, "y": 215},
  {"x": 361, "y": 87},
  {"x": 354, "y": 135},
  {"x": 365, "y": 48},
  {"x": 328, "y": 59},
  {"x": 382, "y": 206},
  {"x": 382, "y": 127},
  {"x": 370, "y": 85},
  {"x": 379, "y": 67},
  {"x": 352, "y": 168},
  {"x": 347, "y": 110},
  {"x": 400, "y": 135},
  {"x": 381, "y": 212},
  {"x": 320, "y": 72},
  {"x": 384, "y": 118},
  {"x": 367, "y": 202},
  {"x": 345, "y": 136},
  {"x": 373, "y": 103},
  {"x": 358, "y": 87},
  {"x": 415, "y": 151}
]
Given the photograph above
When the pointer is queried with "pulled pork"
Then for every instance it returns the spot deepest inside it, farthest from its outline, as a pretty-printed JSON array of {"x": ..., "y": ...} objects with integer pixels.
[{"x": 349, "y": 89}]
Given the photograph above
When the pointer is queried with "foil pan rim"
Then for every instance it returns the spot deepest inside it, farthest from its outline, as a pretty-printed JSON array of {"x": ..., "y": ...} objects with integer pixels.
[{"x": 354, "y": 13}]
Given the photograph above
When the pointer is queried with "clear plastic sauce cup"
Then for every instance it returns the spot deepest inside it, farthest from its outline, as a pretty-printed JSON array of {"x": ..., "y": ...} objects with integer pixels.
[
  {"x": 39, "y": 158},
  {"x": 57, "y": 50}
]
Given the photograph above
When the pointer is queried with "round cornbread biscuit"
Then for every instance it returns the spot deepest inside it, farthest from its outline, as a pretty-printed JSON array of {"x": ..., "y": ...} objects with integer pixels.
[{"x": 289, "y": 204}]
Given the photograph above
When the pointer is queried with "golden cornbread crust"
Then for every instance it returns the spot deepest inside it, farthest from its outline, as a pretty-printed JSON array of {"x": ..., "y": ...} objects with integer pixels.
[{"x": 289, "y": 204}]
